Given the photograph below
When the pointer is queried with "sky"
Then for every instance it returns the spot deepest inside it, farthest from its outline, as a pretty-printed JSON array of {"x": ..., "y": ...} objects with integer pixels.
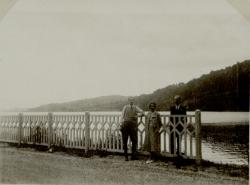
[{"x": 63, "y": 50}]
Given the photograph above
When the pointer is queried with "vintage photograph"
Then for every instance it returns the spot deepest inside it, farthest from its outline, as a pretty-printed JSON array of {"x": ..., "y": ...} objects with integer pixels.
[{"x": 124, "y": 92}]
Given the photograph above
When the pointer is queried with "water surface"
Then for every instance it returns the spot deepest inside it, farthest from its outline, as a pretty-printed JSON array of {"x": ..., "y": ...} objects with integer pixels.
[{"x": 224, "y": 153}]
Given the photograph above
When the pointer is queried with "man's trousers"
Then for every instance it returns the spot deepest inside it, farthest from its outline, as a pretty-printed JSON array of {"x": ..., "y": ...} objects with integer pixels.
[{"x": 129, "y": 129}]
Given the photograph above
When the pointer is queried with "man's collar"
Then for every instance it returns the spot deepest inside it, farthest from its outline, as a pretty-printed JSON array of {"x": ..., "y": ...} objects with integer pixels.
[{"x": 178, "y": 106}]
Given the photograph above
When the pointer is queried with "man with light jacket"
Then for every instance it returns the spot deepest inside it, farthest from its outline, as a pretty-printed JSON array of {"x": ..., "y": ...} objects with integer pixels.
[{"x": 129, "y": 127}]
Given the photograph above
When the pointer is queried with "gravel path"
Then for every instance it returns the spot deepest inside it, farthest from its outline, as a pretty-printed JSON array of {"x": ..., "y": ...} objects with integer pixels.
[{"x": 28, "y": 166}]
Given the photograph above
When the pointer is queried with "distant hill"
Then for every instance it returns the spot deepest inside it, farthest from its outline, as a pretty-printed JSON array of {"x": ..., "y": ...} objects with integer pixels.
[
  {"x": 108, "y": 103},
  {"x": 221, "y": 90},
  {"x": 14, "y": 110}
]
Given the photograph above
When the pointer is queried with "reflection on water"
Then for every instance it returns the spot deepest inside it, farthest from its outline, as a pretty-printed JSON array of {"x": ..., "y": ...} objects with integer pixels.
[
  {"x": 226, "y": 143},
  {"x": 217, "y": 152},
  {"x": 224, "y": 153}
]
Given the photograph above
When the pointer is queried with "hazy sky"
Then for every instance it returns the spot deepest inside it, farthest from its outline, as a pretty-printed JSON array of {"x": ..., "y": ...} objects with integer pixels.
[{"x": 63, "y": 50}]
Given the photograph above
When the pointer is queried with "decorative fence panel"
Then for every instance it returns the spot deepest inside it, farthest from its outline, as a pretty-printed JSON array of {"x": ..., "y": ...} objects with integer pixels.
[
  {"x": 34, "y": 128},
  {"x": 105, "y": 133},
  {"x": 68, "y": 130},
  {"x": 9, "y": 127},
  {"x": 98, "y": 131}
]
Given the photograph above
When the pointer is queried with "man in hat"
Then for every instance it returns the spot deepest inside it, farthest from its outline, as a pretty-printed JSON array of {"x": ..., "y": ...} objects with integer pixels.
[
  {"x": 177, "y": 110},
  {"x": 129, "y": 127}
]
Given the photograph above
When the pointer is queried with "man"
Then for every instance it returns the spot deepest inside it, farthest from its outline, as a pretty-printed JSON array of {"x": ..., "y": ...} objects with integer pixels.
[
  {"x": 129, "y": 127},
  {"x": 176, "y": 110}
]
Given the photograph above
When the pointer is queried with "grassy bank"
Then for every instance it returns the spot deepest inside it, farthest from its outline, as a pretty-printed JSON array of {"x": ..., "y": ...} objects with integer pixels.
[
  {"x": 230, "y": 134},
  {"x": 29, "y": 166},
  {"x": 179, "y": 163}
]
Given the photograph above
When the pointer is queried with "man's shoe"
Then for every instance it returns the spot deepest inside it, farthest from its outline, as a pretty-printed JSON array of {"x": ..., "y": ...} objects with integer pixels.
[
  {"x": 134, "y": 158},
  {"x": 149, "y": 161},
  {"x": 126, "y": 158}
]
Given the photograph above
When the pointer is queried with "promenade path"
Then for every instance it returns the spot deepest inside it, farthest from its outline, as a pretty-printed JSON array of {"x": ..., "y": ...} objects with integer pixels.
[{"x": 26, "y": 166}]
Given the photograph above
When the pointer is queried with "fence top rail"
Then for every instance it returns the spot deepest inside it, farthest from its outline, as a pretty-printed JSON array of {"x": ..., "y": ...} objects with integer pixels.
[
  {"x": 162, "y": 113},
  {"x": 9, "y": 113}
]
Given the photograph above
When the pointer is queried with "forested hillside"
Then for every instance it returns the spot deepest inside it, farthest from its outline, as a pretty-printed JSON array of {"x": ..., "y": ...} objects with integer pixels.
[{"x": 222, "y": 90}]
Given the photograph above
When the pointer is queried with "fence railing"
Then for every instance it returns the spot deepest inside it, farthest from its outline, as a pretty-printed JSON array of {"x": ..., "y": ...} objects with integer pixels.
[{"x": 98, "y": 131}]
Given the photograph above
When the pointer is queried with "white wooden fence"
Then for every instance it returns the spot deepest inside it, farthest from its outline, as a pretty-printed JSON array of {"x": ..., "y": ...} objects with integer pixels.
[{"x": 96, "y": 131}]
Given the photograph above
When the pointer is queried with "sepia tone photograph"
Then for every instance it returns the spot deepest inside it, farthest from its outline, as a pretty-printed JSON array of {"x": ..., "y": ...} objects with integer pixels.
[{"x": 124, "y": 92}]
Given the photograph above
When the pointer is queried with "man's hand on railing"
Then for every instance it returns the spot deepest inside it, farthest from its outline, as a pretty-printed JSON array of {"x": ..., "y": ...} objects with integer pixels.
[{"x": 140, "y": 115}]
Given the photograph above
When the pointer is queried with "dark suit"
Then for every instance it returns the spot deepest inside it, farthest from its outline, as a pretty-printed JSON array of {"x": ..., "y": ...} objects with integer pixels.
[{"x": 174, "y": 110}]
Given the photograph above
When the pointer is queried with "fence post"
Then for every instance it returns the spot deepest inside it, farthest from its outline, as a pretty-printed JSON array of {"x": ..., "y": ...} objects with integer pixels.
[
  {"x": 20, "y": 123},
  {"x": 50, "y": 122},
  {"x": 87, "y": 132},
  {"x": 198, "y": 136}
]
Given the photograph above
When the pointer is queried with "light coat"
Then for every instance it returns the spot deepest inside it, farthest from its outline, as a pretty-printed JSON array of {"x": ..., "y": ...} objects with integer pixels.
[{"x": 152, "y": 135}]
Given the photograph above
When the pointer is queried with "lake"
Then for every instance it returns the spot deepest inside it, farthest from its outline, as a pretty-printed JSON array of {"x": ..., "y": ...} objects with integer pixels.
[
  {"x": 226, "y": 143},
  {"x": 224, "y": 117},
  {"x": 224, "y": 153},
  {"x": 223, "y": 150}
]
